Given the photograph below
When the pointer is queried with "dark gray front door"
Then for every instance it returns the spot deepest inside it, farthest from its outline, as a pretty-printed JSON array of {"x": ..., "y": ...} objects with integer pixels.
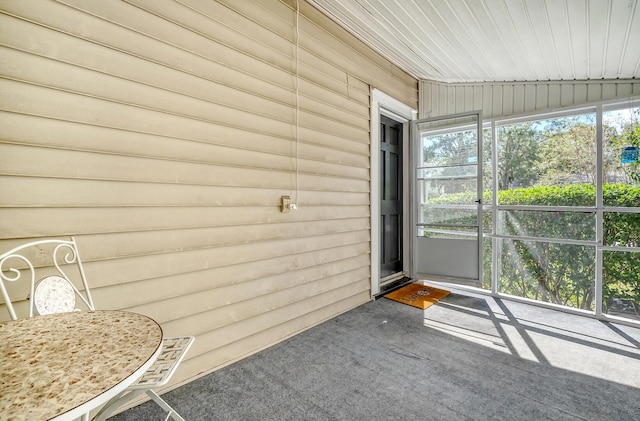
[{"x": 390, "y": 197}]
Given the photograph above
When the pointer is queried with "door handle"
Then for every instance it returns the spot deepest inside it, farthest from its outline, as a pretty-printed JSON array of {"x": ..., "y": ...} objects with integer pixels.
[{"x": 478, "y": 201}]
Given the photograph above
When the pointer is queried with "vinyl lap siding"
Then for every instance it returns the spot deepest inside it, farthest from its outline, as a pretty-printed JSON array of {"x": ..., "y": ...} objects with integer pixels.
[{"x": 162, "y": 135}]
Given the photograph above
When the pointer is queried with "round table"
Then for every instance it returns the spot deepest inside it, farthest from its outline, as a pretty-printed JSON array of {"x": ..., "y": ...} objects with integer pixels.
[{"x": 64, "y": 365}]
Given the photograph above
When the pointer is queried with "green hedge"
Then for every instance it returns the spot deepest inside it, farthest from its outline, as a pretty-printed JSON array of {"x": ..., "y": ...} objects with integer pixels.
[{"x": 564, "y": 273}]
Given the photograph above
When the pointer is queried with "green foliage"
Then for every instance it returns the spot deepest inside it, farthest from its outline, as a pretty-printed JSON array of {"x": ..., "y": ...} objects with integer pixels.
[
  {"x": 571, "y": 195},
  {"x": 632, "y": 138},
  {"x": 564, "y": 273},
  {"x": 568, "y": 152},
  {"x": 622, "y": 195},
  {"x": 629, "y": 136},
  {"x": 557, "y": 273},
  {"x": 518, "y": 153},
  {"x": 620, "y": 228}
]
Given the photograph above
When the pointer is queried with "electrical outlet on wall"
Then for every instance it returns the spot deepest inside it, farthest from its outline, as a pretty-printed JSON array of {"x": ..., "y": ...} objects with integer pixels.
[{"x": 285, "y": 203}]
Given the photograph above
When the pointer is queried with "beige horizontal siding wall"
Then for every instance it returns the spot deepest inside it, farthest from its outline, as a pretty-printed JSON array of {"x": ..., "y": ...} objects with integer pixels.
[
  {"x": 498, "y": 100},
  {"x": 162, "y": 134}
]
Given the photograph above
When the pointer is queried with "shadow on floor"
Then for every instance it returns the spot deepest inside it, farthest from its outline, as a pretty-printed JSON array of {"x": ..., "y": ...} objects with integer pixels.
[{"x": 465, "y": 358}]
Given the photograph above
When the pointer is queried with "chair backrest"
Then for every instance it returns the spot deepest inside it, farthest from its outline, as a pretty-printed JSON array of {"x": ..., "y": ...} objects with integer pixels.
[
  {"x": 54, "y": 294},
  {"x": 55, "y": 263}
]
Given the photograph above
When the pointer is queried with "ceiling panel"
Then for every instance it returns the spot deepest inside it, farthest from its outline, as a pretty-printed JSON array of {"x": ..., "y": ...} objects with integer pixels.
[{"x": 498, "y": 40}]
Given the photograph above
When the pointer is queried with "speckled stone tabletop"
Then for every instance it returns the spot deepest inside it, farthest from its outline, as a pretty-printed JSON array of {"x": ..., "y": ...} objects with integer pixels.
[{"x": 52, "y": 364}]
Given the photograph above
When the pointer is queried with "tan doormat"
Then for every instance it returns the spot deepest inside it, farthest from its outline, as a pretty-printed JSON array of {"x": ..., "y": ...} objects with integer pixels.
[{"x": 417, "y": 295}]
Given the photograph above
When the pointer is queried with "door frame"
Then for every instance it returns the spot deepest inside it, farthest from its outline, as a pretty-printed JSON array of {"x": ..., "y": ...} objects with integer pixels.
[{"x": 388, "y": 106}]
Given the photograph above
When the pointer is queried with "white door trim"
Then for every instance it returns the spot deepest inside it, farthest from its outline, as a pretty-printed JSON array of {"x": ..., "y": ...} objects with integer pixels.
[{"x": 384, "y": 104}]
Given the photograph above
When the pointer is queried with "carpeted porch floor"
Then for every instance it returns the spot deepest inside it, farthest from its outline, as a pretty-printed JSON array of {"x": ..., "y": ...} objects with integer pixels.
[{"x": 468, "y": 357}]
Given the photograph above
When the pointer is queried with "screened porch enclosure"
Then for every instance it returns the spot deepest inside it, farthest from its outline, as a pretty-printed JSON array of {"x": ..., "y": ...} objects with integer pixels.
[{"x": 560, "y": 214}]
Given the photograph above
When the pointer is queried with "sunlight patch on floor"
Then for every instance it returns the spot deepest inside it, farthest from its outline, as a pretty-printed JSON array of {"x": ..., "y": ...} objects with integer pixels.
[
  {"x": 508, "y": 341},
  {"x": 543, "y": 336},
  {"x": 488, "y": 340}
]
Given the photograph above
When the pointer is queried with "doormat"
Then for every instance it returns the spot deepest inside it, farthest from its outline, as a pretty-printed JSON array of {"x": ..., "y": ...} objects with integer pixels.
[{"x": 417, "y": 295}]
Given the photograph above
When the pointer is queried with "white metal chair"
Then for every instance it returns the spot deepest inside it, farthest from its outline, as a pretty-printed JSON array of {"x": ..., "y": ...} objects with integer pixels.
[
  {"x": 173, "y": 351},
  {"x": 56, "y": 263},
  {"x": 52, "y": 261}
]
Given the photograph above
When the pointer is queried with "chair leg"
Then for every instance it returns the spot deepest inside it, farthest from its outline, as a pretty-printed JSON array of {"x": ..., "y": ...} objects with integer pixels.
[
  {"x": 114, "y": 403},
  {"x": 108, "y": 409},
  {"x": 162, "y": 404}
]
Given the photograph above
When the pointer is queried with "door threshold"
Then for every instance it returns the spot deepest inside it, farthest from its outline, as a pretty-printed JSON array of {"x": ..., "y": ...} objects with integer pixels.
[
  {"x": 391, "y": 278},
  {"x": 392, "y": 285}
]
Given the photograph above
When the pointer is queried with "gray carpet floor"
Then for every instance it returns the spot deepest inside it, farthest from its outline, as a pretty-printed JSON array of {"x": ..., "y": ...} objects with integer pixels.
[{"x": 469, "y": 357}]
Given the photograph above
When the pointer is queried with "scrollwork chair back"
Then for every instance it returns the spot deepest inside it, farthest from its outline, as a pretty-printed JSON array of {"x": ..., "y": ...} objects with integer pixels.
[{"x": 47, "y": 260}]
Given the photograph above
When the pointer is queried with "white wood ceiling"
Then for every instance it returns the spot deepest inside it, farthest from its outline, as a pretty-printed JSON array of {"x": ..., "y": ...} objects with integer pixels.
[{"x": 498, "y": 40}]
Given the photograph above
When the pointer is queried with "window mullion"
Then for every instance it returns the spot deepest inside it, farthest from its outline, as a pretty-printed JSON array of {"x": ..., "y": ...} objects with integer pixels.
[{"x": 599, "y": 212}]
